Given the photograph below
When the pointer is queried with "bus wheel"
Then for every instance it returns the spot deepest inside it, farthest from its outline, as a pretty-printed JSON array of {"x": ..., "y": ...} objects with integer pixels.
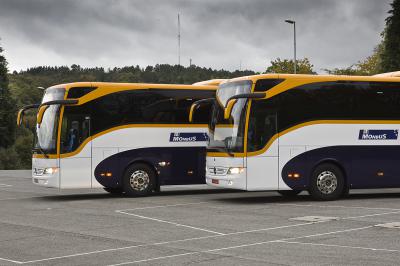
[
  {"x": 327, "y": 182},
  {"x": 139, "y": 180},
  {"x": 114, "y": 191},
  {"x": 289, "y": 193}
]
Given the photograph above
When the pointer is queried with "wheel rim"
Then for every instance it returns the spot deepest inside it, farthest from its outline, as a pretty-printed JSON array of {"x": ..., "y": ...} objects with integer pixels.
[
  {"x": 327, "y": 182},
  {"x": 139, "y": 180}
]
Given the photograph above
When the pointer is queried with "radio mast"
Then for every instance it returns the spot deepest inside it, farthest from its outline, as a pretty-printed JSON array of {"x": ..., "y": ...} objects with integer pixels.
[{"x": 179, "y": 41}]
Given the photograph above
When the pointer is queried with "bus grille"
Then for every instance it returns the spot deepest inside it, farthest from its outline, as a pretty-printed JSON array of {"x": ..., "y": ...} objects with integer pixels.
[{"x": 217, "y": 170}]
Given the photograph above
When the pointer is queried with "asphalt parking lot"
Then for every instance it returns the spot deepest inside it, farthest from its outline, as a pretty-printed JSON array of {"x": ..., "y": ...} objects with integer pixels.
[{"x": 194, "y": 225}]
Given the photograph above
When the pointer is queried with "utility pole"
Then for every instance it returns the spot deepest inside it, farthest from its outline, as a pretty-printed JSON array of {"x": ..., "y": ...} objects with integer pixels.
[
  {"x": 179, "y": 40},
  {"x": 294, "y": 38},
  {"x": 190, "y": 62}
]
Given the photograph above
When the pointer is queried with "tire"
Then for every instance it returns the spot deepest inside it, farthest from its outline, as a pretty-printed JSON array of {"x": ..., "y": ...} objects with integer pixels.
[
  {"x": 289, "y": 193},
  {"x": 139, "y": 180},
  {"x": 114, "y": 191},
  {"x": 327, "y": 182}
]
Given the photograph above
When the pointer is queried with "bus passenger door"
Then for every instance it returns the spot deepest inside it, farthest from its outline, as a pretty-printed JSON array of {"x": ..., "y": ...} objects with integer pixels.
[
  {"x": 76, "y": 149},
  {"x": 262, "y": 164}
]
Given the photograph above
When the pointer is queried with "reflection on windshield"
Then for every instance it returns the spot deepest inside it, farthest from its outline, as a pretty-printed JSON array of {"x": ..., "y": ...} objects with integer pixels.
[
  {"x": 52, "y": 94},
  {"x": 228, "y": 135},
  {"x": 46, "y": 134}
]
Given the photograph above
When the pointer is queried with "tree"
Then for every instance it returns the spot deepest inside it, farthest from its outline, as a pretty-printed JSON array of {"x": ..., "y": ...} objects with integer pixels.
[
  {"x": 367, "y": 67},
  {"x": 391, "y": 40},
  {"x": 7, "y": 107},
  {"x": 303, "y": 66}
]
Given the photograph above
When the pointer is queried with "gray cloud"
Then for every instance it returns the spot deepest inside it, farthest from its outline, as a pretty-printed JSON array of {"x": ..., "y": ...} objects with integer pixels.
[{"x": 218, "y": 34}]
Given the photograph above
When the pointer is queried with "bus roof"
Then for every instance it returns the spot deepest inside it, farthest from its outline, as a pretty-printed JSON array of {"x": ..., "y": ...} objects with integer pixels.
[
  {"x": 318, "y": 78},
  {"x": 124, "y": 86},
  {"x": 213, "y": 82},
  {"x": 291, "y": 81},
  {"x": 105, "y": 88}
]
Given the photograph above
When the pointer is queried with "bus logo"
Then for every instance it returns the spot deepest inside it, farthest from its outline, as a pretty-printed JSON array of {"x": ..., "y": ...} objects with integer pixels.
[
  {"x": 188, "y": 137},
  {"x": 378, "y": 134}
]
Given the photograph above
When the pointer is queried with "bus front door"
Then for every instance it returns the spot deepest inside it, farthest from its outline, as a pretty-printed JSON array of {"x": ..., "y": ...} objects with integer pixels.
[
  {"x": 76, "y": 151},
  {"x": 262, "y": 165}
]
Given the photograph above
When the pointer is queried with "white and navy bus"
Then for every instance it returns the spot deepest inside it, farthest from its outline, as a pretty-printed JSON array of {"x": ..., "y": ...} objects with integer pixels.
[
  {"x": 129, "y": 138},
  {"x": 290, "y": 133}
]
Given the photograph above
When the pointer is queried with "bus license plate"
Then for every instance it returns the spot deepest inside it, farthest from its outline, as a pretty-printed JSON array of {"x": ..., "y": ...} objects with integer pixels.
[{"x": 215, "y": 181}]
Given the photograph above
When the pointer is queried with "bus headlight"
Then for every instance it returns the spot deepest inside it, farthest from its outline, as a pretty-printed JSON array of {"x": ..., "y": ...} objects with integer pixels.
[
  {"x": 235, "y": 170},
  {"x": 50, "y": 170}
]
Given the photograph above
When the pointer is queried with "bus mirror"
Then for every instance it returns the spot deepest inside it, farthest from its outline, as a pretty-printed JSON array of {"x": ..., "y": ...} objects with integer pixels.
[
  {"x": 232, "y": 101},
  {"x": 197, "y": 104},
  {"x": 193, "y": 107},
  {"x": 21, "y": 112},
  {"x": 20, "y": 117},
  {"x": 40, "y": 114},
  {"x": 228, "y": 108}
]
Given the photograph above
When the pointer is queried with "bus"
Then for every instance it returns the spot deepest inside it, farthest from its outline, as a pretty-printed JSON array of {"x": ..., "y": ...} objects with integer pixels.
[
  {"x": 290, "y": 133},
  {"x": 126, "y": 137}
]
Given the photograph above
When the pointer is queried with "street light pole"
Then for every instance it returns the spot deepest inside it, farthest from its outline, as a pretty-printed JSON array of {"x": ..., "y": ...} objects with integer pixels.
[{"x": 294, "y": 38}]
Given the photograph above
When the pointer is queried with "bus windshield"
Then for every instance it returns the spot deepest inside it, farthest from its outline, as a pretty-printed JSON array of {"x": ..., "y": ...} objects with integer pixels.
[
  {"x": 46, "y": 133},
  {"x": 228, "y": 135}
]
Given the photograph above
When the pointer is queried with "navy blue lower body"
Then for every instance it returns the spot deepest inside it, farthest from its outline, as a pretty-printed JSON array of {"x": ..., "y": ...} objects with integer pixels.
[
  {"x": 172, "y": 165},
  {"x": 363, "y": 166}
]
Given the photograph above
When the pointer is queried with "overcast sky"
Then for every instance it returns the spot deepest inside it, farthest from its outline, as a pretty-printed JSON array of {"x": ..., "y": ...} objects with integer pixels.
[{"x": 215, "y": 33}]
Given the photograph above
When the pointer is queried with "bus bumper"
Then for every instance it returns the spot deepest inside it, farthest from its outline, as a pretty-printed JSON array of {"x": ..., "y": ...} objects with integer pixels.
[
  {"x": 46, "y": 172},
  {"x": 226, "y": 173}
]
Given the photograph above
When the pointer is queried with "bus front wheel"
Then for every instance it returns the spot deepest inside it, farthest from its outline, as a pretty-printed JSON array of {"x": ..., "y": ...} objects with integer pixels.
[
  {"x": 139, "y": 180},
  {"x": 327, "y": 182}
]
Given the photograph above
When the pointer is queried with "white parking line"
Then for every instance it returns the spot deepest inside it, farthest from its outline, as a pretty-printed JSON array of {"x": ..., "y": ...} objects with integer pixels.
[
  {"x": 5, "y": 185},
  {"x": 370, "y": 215},
  {"x": 162, "y": 206},
  {"x": 168, "y": 222},
  {"x": 13, "y": 261},
  {"x": 235, "y": 247},
  {"x": 336, "y": 206},
  {"x": 394, "y": 211},
  {"x": 339, "y": 246},
  {"x": 168, "y": 242}
]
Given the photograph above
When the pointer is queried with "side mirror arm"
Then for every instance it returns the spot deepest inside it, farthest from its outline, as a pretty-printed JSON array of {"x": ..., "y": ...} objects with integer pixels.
[
  {"x": 233, "y": 100},
  {"x": 21, "y": 112},
  {"x": 43, "y": 107},
  {"x": 196, "y": 105}
]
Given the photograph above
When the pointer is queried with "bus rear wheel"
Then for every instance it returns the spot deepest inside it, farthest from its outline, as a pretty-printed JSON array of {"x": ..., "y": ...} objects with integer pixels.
[
  {"x": 327, "y": 182},
  {"x": 139, "y": 180},
  {"x": 289, "y": 193}
]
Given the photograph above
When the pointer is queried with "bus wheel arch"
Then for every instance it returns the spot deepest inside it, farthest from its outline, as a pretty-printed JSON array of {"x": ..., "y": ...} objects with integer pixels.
[
  {"x": 328, "y": 172},
  {"x": 140, "y": 168}
]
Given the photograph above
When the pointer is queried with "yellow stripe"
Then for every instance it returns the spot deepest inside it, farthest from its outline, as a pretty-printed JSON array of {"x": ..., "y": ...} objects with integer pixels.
[
  {"x": 224, "y": 154},
  {"x": 83, "y": 144},
  {"x": 109, "y": 88}
]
